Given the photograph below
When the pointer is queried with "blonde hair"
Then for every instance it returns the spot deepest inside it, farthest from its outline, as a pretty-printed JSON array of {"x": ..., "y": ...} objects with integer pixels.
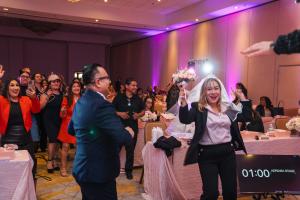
[{"x": 203, "y": 97}]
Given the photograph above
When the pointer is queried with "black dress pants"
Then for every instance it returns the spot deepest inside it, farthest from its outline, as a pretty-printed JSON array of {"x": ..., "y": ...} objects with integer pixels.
[
  {"x": 97, "y": 191},
  {"x": 130, "y": 152},
  {"x": 214, "y": 161}
]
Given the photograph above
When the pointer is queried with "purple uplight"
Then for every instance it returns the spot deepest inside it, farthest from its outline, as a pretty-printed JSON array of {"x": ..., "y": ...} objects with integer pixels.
[
  {"x": 232, "y": 77},
  {"x": 156, "y": 58}
]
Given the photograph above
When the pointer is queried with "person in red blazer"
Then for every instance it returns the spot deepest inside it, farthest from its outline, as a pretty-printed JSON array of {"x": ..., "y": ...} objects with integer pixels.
[
  {"x": 15, "y": 116},
  {"x": 66, "y": 112}
]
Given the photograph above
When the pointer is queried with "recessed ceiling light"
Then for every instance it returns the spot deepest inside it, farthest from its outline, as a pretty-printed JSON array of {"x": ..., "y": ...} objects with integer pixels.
[
  {"x": 73, "y": 1},
  {"x": 5, "y": 9},
  {"x": 197, "y": 20},
  {"x": 105, "y": 1},
  {"x": 96, "y": 20},
  {"x": 167, "y": 28},
  {"x": 236, "y": 7},
  {"x": 158, "y": 0}
]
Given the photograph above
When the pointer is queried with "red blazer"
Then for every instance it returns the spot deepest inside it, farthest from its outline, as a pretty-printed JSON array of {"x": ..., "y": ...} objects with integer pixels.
[{"x": 27, "y": 105}]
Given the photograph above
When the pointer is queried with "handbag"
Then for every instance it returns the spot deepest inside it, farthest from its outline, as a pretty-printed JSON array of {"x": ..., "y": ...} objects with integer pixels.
[{"x": 279, "y": 110}]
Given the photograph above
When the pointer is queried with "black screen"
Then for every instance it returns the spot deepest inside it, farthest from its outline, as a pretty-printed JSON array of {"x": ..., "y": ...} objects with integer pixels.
[{"x": 268, "y": 173}]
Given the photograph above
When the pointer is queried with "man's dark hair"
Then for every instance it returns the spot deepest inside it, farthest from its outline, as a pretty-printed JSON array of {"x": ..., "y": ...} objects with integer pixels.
[
  {"x": 129, "y": 80},
  {"x": 22, "y": 72},
  {"x": 89, "y": 72}
]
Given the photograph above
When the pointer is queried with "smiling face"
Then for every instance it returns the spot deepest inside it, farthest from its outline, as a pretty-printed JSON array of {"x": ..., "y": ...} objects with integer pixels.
[
  {"x": 76, "y": 89},
  {"x": 213, "y": 92},
  {"x": 13, "y": 89}
]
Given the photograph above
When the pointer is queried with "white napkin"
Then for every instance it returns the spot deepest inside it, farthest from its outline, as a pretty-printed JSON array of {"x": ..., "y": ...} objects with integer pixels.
[{"x": 157, "y": 132}]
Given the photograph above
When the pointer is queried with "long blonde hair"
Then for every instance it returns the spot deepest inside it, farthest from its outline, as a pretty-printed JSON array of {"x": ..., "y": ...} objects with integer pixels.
[{"x": 203, "y": 97}]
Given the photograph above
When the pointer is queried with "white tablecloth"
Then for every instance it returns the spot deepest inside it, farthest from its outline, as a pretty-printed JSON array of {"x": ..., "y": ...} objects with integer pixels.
[
  {"x": 16, "y": 181},
  {"x": 168, "y": 179}
]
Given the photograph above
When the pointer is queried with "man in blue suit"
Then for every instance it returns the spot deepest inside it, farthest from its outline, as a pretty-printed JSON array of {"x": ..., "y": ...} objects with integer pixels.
[{"x": 100, "y": 135}]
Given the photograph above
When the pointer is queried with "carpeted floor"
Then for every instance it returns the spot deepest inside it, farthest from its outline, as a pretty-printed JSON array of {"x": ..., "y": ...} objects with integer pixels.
[{"x": 65, "y": 188}]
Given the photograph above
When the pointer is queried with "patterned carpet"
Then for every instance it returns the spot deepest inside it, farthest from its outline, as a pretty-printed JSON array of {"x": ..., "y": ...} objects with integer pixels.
[{"x": 65, "y": 188}]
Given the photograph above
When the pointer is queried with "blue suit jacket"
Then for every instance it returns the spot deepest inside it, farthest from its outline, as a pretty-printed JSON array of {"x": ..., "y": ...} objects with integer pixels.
[{"x": 99, "y": 136}]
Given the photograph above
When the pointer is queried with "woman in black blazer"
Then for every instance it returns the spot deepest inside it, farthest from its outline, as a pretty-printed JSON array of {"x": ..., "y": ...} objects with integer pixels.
[
  {"x": 265, "y": 107},
  {"x": 216, "y": 138}
]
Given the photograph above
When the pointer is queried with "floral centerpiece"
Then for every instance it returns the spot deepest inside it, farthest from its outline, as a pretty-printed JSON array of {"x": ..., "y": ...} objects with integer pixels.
[
  {"x": 294, "y": 125},
  {"x": 184, "y": 75},
  {"x": 149, "y": 117}
]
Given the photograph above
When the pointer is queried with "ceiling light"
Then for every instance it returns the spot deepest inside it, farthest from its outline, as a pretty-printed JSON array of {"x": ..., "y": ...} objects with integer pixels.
[
  {"x": 236, "y": 7},
  {"x": 167, "y": 28},
  {"x": 158, "y": 0},
  {"x": 105, "y": 1},
  {"x": 73, "y": 1},
  {"x": 197, "y": 20},
  {"x": 96, "y": 20},
  {"x": 5, "y": 9}
]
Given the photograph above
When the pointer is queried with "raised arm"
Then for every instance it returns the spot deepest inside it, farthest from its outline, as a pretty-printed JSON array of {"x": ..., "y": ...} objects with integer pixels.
[{"x": 187, "y": 114}]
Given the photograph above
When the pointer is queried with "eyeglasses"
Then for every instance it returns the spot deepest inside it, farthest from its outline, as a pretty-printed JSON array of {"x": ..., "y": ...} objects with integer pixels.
[
  {"x": 55, "y": 81},
  {"x": 103, "y": 78},
  {"x": 24, "y": 76}
]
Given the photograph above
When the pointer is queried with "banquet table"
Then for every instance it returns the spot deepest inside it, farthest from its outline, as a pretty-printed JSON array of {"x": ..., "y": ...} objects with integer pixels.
[
  {"x": 16, "y": 181},
  {"x": 168, "y": 179},
  {"x": 138, "y": 160}
]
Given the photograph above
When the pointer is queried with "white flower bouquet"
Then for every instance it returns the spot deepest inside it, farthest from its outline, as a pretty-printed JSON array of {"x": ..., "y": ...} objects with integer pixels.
[
  {"x": 149, "y": 117},
  {"x": 294, "y": 124},
  {"x": 185, "y": 75}
]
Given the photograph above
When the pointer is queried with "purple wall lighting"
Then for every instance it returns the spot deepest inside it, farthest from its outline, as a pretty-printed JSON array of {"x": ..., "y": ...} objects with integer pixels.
[{"x": 156, "y": 59}]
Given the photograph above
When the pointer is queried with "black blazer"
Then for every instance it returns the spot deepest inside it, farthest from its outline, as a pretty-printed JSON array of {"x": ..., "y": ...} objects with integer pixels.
[
  {"x": 99, "y": 136},
  {"x": 187, "y": 116},
  {"x": 261, "y": 111}
]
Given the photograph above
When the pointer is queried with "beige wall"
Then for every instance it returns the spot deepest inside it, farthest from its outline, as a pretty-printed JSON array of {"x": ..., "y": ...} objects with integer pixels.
[{"x": 153, "y": 60}]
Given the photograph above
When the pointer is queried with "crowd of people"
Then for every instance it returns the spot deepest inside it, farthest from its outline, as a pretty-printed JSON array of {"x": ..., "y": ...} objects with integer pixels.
[{"x": 39, "y": 112}]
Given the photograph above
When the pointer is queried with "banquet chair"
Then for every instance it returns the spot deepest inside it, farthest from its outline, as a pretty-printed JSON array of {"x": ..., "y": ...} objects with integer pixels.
[
  {"x": 148, "y": 137},
  {"x": 280, "y": 123}
]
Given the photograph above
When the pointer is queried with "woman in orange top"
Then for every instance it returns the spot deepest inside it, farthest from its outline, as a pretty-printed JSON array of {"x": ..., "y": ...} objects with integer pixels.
[
  {"x": 15, "y": 117},
  {"x": 66, "y": 111}
]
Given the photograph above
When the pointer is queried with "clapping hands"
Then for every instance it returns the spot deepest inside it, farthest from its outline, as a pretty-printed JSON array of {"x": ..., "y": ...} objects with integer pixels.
[{"x": 1, "y": 71}]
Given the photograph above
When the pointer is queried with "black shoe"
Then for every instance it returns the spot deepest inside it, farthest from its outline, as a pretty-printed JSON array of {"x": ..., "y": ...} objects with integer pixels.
[{"x": 129, "y": 176}]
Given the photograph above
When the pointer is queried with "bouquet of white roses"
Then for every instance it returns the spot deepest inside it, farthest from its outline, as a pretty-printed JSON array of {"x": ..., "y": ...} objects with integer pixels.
[
  {"x": 185, "y": 75},
  {"x": 149, "y": 116},
  {"x": 294, "y": 124}
]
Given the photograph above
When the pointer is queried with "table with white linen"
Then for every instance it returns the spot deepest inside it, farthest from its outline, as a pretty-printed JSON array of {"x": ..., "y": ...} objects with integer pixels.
[
  {"x": 168, "y": 179},
  {"x": 138, "y": 160},
  {"x": 16, "y": 181}
]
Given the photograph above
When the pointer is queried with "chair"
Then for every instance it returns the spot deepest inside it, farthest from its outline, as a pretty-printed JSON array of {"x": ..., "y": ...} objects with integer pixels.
[
  {"x": 148, "y": 129},
  {"x": 291, "y": 112},
  {"x": 148, "y": 137},
  {"x": 280, "y": 123}
]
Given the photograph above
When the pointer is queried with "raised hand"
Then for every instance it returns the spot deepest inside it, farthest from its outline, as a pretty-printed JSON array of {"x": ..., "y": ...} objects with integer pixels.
[
  {"x": 182, "y": 97},
  {"x": 259, "y": 49},
  {"x": 31, "y": 93},
  {"x": 1, "y": 71}
]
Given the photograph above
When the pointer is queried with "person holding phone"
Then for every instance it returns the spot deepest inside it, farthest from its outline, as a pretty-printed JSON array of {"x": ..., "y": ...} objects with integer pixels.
[
  {"x": 15, "y": 118},
  {"x": 51, "y": 102}
]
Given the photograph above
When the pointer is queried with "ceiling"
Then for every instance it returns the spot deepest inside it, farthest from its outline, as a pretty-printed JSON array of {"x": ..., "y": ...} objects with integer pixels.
[{"x": 120, "y": 20}]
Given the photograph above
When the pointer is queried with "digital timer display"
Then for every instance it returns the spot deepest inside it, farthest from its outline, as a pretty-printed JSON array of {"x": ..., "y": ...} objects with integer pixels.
[{"x": 268, "y": 173}]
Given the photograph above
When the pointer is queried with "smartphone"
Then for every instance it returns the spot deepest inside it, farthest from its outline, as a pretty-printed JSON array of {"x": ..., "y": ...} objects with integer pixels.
[{"x": 31, "y": 85}]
